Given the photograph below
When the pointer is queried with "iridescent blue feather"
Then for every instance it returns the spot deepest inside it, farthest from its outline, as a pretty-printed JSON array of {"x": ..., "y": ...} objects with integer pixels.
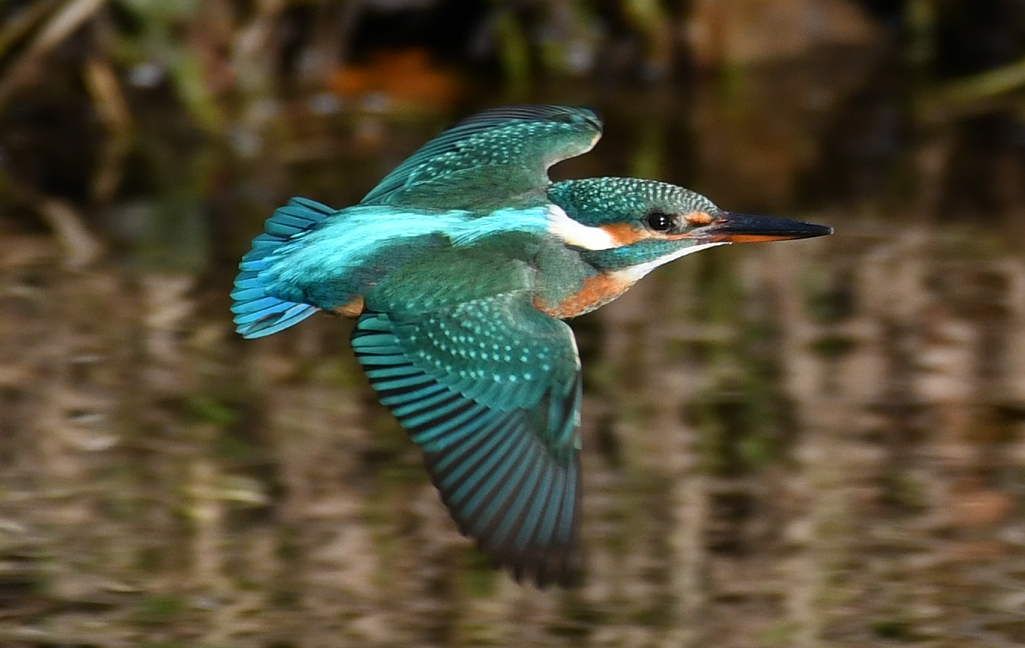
[
  {"x": 501, "y": 450},
  {"x": 258, "y": 312}
]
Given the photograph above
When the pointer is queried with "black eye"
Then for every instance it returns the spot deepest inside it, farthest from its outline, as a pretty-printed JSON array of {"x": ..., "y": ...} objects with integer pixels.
[{"x": 659, "y": 221}]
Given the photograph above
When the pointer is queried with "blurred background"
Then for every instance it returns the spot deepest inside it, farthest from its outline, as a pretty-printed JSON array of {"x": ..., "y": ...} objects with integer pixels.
[{"x": 814, "y": 443}]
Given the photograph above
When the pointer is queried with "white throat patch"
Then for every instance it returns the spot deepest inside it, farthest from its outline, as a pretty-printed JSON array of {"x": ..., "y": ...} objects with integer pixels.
[{"x": 577, "y": 234}]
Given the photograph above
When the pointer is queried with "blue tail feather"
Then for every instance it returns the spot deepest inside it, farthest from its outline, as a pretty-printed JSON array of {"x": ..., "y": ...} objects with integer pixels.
[
  {"x": 257, "y": 311},
  {"x": 254, "y": 305}
]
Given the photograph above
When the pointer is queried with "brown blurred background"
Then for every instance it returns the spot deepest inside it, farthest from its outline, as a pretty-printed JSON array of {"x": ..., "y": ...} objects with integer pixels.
[{"x": 817, "y": 443}]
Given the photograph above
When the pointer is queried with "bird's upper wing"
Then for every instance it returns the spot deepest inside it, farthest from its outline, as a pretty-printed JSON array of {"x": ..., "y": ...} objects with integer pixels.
[
  {"x": 490, "y": 389},
  {"x": 490, "y": 158}
]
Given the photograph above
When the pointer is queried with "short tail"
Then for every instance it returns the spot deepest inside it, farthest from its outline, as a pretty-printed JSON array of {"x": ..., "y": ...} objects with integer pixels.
[{"x": 257, "y": 312}]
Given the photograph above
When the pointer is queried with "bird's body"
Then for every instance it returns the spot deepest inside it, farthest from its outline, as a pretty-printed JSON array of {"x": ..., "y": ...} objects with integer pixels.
[{"x": 461, "y": 265}]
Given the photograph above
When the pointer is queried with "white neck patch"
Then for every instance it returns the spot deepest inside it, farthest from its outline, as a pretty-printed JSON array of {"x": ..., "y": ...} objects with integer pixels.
[
  {"x": 634, "y": 273},
  {"x": 577, "y": 234}
]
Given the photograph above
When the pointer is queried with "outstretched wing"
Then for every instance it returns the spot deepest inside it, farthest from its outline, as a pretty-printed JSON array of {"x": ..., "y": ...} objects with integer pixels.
[
  {"x": 490, "y": 390},
  {"x": 490, "y": 159}
]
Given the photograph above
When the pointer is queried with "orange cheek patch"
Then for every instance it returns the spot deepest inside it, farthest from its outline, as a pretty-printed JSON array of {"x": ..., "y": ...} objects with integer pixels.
[
  {"x": 698, "y": 218},
  {"x": 626, "y": 234}
]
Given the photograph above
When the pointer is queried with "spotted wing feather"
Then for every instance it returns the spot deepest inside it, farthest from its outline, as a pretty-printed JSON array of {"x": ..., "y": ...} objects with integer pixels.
[
  {"x": 498, "y": 427},
  {"x": 490, "y": 158}
]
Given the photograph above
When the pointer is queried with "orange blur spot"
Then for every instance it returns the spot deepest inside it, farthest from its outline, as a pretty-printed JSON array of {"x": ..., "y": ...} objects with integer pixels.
[
  {"x": 404, "y": 75},
  {"x": 699, "y": 218}
]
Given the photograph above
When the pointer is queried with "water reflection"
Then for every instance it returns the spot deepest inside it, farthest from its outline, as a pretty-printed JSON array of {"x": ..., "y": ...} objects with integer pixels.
[{"x": 784, "y": 445}]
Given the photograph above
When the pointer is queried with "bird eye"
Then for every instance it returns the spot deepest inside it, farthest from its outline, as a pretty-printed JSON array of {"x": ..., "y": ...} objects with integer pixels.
[{"x": 659, "y": 221}]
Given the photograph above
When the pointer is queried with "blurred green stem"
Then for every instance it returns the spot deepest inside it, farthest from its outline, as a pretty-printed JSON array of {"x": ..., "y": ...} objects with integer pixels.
[
  {"x": 921, "y": 20},
  {"x": 986, "y": 84},
  {"x": 514, "y": 52}
]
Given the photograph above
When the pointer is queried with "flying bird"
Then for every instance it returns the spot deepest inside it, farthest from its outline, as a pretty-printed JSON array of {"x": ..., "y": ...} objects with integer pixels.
[{"x": 461, "y": 266}]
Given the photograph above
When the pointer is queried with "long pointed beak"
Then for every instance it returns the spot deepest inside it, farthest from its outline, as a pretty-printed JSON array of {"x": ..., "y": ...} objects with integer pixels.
[{"x": 734, "y": 227}]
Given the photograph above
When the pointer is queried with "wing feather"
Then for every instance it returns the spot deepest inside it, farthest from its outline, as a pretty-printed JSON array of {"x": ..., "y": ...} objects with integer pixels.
[
  {"x": 489, "y": 159},
  {"x": 505, "y": 458}
]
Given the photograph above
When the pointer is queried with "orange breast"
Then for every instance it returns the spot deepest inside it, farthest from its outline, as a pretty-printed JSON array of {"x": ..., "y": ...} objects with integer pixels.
[{"x": 597, "y": 291}]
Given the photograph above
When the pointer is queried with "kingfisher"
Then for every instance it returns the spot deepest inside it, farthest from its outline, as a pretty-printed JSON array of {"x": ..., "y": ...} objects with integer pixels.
[{"x": 460, "y": 267}]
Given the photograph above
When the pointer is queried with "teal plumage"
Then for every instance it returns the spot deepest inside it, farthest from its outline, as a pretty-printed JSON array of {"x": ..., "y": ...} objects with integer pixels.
[
  {"x": 509, "y": 148},
  {"x": 255, "y": 308},
  {"x": 460, "y": 265}
]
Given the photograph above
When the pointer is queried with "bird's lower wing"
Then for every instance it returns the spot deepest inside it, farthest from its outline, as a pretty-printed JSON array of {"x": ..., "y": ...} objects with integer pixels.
[{"x": 490, "y": 389}]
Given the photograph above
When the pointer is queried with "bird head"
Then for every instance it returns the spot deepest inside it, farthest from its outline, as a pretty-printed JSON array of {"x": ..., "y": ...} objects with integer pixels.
[{"x": 631, "y": 226}]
